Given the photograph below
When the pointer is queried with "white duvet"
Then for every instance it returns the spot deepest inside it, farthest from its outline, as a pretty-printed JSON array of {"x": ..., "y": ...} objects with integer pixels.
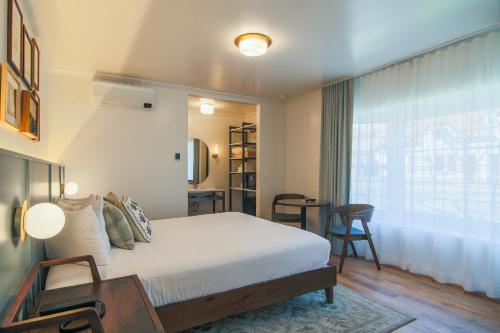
[{"x": 191, "y": 257}]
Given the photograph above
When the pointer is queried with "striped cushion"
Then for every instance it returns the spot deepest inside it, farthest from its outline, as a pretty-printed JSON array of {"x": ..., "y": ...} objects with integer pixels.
[
  {"x": 113, "y": 199},
  {"x": 118, "y": 229}
]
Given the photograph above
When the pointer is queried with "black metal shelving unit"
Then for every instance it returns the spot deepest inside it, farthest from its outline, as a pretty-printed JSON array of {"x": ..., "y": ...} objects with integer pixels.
[{"x": 240, "y": 182}]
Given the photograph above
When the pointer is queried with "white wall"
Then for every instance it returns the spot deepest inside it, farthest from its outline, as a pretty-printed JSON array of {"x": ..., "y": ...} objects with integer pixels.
[
  {"x": 10, "y": 139},
  {"x": 132, "y": 152},
  {"x": 271, "y": 162},
  {"x": 303, "y": 129},
  {"x": 120, "y": 150}
]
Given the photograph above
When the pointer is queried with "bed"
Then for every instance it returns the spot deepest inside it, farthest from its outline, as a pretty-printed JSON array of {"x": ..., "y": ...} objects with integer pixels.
[{"x": 203, "y": 268}]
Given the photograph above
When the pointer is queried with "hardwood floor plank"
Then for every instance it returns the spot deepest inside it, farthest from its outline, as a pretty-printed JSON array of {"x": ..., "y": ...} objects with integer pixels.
[{"x": 438, "y": 307}]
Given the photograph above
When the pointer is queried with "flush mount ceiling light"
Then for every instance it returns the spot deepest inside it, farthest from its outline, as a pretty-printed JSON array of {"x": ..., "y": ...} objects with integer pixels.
[
  {"x": 206, "y": 106},
  {"x": 253, "y": 44}
]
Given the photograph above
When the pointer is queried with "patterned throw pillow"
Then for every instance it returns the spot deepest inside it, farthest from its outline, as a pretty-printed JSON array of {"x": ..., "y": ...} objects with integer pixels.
[
  {"x": 141, "y": 227},
  {"x": 119, "y": 231}
]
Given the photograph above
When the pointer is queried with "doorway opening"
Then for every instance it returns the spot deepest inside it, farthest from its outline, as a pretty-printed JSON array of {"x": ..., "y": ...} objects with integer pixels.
[{"x": 222, "y": 158}]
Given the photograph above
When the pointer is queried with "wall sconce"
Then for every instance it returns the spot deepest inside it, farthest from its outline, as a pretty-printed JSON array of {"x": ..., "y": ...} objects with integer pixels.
[
  {"x": 71, "y": 188},
  {"x": 41, "y": 221},
  {"x": 215, "y": 151}
]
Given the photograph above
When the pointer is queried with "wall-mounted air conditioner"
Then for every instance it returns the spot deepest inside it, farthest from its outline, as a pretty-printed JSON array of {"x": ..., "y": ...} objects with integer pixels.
[{"x": 122, "y": 95}]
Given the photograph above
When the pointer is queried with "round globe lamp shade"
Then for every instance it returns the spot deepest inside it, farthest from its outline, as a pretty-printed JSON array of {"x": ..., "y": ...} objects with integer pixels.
[
  {"x": 71, "y": 188},
  {"x": 44, "y": 220}
]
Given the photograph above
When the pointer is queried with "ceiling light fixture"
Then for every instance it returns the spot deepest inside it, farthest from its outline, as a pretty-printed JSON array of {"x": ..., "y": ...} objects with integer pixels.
[
  {"x": 206, "y": 106},
  {"x": 253, "y": 44}
]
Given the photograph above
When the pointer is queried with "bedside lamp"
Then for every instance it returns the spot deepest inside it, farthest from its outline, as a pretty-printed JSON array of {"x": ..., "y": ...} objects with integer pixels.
[{"x": 42, "y": 221}]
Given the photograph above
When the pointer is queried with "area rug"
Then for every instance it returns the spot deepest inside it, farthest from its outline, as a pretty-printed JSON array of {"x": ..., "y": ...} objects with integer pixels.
[{"x": 350, "y": 312}]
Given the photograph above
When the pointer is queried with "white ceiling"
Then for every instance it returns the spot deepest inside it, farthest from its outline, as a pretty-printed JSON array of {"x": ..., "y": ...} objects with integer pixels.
[{"x": 190, "y": 42}]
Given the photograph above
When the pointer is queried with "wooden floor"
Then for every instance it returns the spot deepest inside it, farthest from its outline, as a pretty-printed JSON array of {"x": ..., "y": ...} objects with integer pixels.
[{"x": 437, "y": 307}]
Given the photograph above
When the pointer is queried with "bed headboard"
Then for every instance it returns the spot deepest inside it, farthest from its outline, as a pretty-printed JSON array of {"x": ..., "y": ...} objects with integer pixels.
[{"x": 22, "y": 178}]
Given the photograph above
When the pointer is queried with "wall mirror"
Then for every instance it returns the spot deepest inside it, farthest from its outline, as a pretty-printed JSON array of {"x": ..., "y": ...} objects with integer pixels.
[{"x": 197, "y": 161}]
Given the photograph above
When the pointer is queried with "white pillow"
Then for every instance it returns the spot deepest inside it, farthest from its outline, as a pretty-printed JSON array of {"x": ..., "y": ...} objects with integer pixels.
[
  {"x": 81, "y": 235},
  {"x": 97, "y": 203}
]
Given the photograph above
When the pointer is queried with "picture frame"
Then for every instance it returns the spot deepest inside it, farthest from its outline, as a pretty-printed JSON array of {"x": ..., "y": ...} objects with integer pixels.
[
  {"x": 27, "y": 58},
  {"x": 10, "y": 98},
  {"x": 30, "y": 115},
  {"x": 15, "y": 36},
  {"x": 35, "y": 65}
]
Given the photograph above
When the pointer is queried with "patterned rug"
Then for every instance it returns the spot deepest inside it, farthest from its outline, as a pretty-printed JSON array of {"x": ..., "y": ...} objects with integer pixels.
[{"x": 309, "y": 313}]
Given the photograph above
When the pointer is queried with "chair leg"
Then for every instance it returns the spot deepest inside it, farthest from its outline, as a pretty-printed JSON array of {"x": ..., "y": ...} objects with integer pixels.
[
  {"x": 342, "y": 256},
  {"x": 353, "y": 249},
  {"x": 344, "y": 246},
  {"x": 329, "y": 295},
  {"x": 370, "y": 242}
]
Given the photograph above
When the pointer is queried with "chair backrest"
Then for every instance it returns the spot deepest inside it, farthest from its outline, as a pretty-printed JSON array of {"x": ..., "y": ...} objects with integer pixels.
[
  {"x": 354, "y": 212},
  {"x": 284, "y": 196}
]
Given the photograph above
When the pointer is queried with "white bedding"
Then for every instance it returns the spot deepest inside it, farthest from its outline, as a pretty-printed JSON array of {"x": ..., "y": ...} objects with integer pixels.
[{"x": 195, "y": 256}]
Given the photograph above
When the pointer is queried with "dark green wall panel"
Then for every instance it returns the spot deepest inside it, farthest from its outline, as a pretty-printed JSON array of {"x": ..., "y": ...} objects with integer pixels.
[
  {"x": 21, "y": 178},
  {"x": 39, "y": 191},
  {"x": 14, "y": 254}
]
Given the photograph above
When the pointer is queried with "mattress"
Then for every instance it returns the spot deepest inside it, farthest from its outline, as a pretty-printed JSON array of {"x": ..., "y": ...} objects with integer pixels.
[{"x": 196, "y": 256}]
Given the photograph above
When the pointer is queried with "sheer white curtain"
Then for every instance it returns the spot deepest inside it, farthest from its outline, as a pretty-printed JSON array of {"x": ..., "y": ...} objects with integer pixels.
[{"x": 426, "y": 154}]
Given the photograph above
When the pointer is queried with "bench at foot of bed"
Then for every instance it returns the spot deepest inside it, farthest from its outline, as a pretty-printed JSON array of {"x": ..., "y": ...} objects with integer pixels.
[{"x": 180, "y": 316}]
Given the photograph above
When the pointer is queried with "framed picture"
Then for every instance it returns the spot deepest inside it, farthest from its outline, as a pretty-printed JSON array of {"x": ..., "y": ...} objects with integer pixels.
[
  {"x": 35, "y": 65},
  {"x": 15, "y": 36},
  {"x": 10, "y": 98},
  {"x": 30, "y": 115},
  {"x": 27, "y": 59}
]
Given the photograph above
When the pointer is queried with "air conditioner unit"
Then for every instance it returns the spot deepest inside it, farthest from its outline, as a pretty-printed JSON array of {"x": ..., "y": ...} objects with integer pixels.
[{"x": 122, "y": 95}]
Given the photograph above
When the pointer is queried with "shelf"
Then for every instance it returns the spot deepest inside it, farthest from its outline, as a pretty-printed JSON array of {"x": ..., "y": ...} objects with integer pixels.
[
  {"x": 239, "y": 138},
  {"x": 242, "y": 189},
  {"x": 238, "y": 144},
  {"x": 249, "y": 127}
]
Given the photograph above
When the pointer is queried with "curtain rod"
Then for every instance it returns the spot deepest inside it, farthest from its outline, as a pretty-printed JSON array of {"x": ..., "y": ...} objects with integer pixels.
[{"x": 419, "y": 54}]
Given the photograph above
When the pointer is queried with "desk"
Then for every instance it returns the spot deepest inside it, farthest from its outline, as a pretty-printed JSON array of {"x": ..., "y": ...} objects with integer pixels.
[
  {"x": 128, "y": 308},
  {"x": 208, "y": 194},
  {"x": 303, "y": 208}
]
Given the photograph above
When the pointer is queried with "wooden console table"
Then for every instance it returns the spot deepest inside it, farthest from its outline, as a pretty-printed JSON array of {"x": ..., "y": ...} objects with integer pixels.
[{"x": 206, "y": 195}]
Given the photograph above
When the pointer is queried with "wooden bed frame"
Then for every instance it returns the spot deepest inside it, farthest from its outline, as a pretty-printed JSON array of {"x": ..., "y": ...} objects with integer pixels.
[{"x": 183, "y": 315}]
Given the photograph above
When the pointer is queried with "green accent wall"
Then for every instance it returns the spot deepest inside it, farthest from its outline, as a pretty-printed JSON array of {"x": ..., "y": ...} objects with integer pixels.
[{"x": 21, "y": 178}]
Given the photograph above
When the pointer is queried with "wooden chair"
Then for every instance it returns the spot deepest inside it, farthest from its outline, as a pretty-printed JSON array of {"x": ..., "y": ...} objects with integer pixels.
[
  {"x": 285, "y": 217},
  {"x": 349, "y": 213}
]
